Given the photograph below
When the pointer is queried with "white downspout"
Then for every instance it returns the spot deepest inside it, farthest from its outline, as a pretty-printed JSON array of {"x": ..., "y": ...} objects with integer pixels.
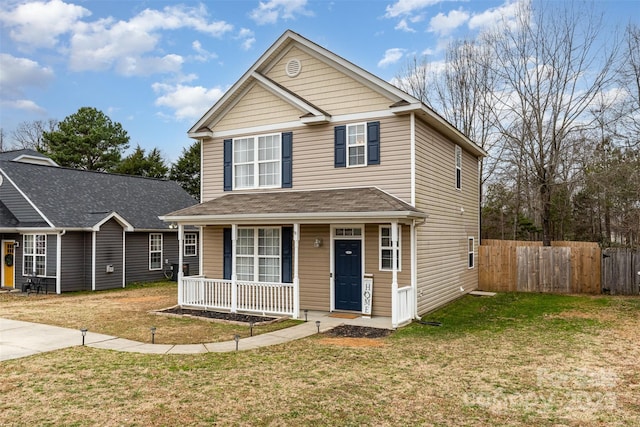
[
  {"x": 394, "y": 274},
  {"x": 234, "y": 276},
  {"x": 93, "y": 260},
  {"x": 59, "y": 261}
]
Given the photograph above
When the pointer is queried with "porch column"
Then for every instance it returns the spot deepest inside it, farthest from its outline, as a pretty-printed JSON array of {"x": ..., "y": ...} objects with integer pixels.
[
  {"x": 180, "y": 255},
  {"x": 296, "y": 280},
  {"x": 234, "y": 276},
  {"x": 394, "y": 274}
]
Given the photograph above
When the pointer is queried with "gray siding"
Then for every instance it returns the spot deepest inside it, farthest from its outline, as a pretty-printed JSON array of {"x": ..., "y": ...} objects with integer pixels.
[
  {"x": 52, "y": 254},
  {"x": 18, "y": 205},
  {"x": 137, "y": 263},
  {"x": 76, "y": 262},
  {"x": 109, "y": 241}
]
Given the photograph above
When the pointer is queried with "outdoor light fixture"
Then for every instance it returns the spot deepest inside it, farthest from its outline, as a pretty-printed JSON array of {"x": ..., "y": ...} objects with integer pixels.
[
  {"x": 153, "y": 335},
  {"x": 251, "y": 327},
  {"x": 236, "y": 338},
  {"x": 84, "y": 333},
  {"x": 306, "y": 313},
  {"x": 318, "y": 325},
  {"x": 317, "y": 243}
]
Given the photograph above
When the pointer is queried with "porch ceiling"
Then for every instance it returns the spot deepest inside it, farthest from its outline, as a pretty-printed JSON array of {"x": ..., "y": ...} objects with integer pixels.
[{"x": 345, "y": 205}]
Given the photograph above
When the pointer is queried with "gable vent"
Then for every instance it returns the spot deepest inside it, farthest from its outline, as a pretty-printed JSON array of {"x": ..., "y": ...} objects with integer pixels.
[{"x": 293, "y": 67}]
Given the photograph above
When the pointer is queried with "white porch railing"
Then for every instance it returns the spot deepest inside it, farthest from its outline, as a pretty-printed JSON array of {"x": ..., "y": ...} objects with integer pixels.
[
  {"x": 404, "y": 305},
  {"x": 253, "y": 297}
]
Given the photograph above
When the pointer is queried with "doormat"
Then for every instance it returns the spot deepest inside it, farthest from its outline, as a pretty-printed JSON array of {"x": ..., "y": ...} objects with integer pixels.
[{"x": 344, "y": 315}]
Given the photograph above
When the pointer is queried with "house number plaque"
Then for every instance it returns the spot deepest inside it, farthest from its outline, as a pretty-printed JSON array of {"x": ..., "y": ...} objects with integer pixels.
[{"x": 367, "y": 295}]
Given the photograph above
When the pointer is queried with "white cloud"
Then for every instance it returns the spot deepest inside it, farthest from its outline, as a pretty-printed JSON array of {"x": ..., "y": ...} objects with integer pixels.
[
  {"x": 202, "y": 53},
  {"x": 39, "y": 24},
  {"x": 187, "y": 102},
  {"x": 16, "y": 74},
  {"x": 247, "y": 37},
  {"x": 404, "y": 26},
  {"x": 129, "y": 46},
  {"x": 506, "y": 13},
  {"x": 408, "y": 7},
  {"x": 271, "y": 11},
  {"x": 391, "y": 56},
  {"x": 444, "y": 24},
  {"x": 22, "y": 104}
]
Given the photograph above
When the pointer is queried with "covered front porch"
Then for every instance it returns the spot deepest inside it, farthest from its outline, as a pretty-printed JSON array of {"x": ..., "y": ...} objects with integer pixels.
[{"x": 296, "y": 260}]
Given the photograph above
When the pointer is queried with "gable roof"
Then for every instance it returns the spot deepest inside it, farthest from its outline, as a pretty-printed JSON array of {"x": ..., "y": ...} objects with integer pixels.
[
  {"x": 348, "y": 204},
  {"x": 72, "y": 198},
  {"x": 400, "y": 101}
]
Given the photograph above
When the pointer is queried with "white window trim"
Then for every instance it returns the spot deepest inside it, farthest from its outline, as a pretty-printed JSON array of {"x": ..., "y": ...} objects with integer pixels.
[
  {"x": 194, "y": 244},
  {"x": 458, "y": 162},
  {"x": 152, "y": 251},
  {"x": 256, "y": 255},
  {"x": 34, "y": 254},
  {"x": 364, "y": 144},
  {"x": 381, "y": 248},
  {"x": 256, "y": 162},
  {"x": 471, "y": 254}
]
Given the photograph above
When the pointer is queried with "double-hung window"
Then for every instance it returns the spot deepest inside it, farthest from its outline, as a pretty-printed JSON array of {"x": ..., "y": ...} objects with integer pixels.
[
  {"x": 458, "y": 167},
  {"x": 356, "y": 145},
  {"x": 257, "y": 161},
  {"x": 386, "y": 249},
  {"x": 34, "y": 258},
  {"x": 470, "y": 247},
  {"x": 155, "y": 251},
  {"x": 190, "y": 244},
  {"x": 258, "y": 254}
]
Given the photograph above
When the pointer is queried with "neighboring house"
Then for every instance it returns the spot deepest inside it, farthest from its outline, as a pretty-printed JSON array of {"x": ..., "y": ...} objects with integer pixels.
[
  {"x": 83, "y": 230},
  {"x": 327, "y": 188}
]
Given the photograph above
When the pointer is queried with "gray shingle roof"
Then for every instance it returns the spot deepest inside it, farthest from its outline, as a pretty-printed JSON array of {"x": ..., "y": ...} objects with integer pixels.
[
  {"x": 295, "y": 203},
  {"x": 72, "y": 198}
]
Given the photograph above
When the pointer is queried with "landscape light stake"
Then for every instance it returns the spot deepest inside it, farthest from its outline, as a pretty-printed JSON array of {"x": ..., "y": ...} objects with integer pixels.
[
  {"x": 306, "y": 312},
  {"x": 318, "y": 325},
  {"x": 84, "y": 333},
  {"x": 251, "y": 328},
  {"x": 153, "y": 335},
  {"x": 236, "y": 338}
]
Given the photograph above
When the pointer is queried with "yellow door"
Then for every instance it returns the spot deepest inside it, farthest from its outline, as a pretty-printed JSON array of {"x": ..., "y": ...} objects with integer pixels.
[{"x": 7, "y": 265}]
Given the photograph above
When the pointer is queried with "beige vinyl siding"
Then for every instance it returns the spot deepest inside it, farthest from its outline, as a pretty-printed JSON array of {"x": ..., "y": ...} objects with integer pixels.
[
  {"x": 212, "y": 252},
  {"x": 382, "y": 279},
  {"x": 258, "y": 107},
  {"x": 313, "y": 161},
  {"x": 442, "y": 241},
  {"x": 313, "y": 268},
  {"x": 326, "y": 87}
]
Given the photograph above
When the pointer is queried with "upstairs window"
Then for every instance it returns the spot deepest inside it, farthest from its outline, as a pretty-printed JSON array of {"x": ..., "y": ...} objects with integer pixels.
[
  {"x": 458, "y": 167},
  {"x": 256, "y": 161},
  {"x": 261, "y": 161},
  {"x": 356, "y": 145},
  {"x": 34, "y": 258}
]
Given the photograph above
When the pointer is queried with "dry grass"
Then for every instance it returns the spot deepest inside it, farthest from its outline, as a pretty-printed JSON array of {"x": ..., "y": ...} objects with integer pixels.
[
  {"x": 123, "y": 313},
  {"x": 512, "y": 360}
]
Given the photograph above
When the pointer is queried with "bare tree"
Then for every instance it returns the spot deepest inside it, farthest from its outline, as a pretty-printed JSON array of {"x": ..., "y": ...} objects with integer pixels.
[
  {"x": 29, "y": 135},
  {"x": 551, "y": 67}
]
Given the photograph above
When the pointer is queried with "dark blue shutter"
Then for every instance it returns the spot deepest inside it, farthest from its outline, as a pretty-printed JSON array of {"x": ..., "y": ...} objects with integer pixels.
[
  {"x": 228, "y": 164},
  {"x": 373, "y": 143},
  {"x": 287, "y": 164},
  {"x": 287, "y": 254},
  {"x": 227, "y": 255},
  {"x": 340, "y": 146}
]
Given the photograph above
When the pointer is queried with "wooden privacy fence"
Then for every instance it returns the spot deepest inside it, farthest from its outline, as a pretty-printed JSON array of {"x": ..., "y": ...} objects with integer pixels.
[
  {"x": 620, "y": 271},
  {"x": 564, "y": 267}
]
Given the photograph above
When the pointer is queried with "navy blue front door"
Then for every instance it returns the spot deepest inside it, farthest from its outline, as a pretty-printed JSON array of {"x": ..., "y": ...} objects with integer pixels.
[{"x": 348, "y": 275}]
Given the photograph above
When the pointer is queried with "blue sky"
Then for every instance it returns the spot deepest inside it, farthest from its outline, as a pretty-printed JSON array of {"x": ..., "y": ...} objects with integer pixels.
[{"x": 157, "y": 66}]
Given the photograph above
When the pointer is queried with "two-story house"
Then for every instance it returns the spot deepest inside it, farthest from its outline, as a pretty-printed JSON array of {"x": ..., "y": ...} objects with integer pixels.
[{"x": 327, "y": 188}]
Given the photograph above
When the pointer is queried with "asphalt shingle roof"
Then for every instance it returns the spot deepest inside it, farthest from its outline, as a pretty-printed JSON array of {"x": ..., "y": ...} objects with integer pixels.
[
  {"x": 343, "y": 201},
  {"x": 78, "y": 199}
]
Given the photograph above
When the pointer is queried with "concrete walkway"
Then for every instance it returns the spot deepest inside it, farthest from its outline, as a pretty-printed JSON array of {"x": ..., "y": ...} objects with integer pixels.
[{"x": 21, "y": 339}]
